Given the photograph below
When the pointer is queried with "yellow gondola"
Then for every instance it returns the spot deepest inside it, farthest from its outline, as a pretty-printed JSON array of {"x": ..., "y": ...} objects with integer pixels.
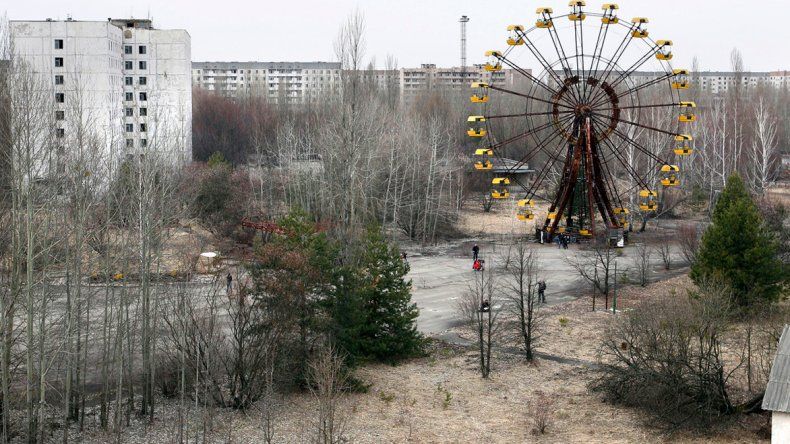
[
  {"x": 484, "y": 165},
  {"x": 577, "y": 15},
  {"x": 500, "y": 194},
  {"x": 686, "y": 113},
  {"x": 484, "y": 152},
  {"x": 664, "y": 50},
  {"x": 515, "y": 38},
  {"x": 638, "y": 32},
  {"x": 500, "y": 181},
  {"x": 683, "y": 145},
  {"x": 609, "y": 18},
  {"x": 479, "y": 85},
  {"x": 622, "y": 216},
  {"x": 543, "y": 10},
  {"x": 493, "y": 64},
  {"x": 476, "y": 132},
  {"x": 647, "y": 200},
  {"x": 525, "y": 212},
  {"x": 544, "y": 23},
  {"x": 681, "y": 79},
  {"x": 479, "y": 99},
  {"x": 671, "y": 179},
  {"x": 585, "y": 232}
]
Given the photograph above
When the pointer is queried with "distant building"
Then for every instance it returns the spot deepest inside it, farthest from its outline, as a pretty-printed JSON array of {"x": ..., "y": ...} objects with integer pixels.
[
  {"x": 777, "y": 392},
  {"x": 305, "y": 82},
  {"x": 131, "y": 80},
  {"x": 278, "y": 82}
]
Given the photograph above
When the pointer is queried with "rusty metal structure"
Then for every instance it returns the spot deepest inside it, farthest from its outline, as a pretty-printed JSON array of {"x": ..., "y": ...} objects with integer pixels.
[{"x": 588, "y": 117}]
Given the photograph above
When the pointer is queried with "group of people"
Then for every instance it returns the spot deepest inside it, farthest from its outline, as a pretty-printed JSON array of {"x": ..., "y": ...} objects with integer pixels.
[{"x": 562, "y": 240}]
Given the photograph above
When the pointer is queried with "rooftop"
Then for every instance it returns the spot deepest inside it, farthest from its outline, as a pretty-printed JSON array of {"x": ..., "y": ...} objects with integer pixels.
[{"x": 777, "y": 392}]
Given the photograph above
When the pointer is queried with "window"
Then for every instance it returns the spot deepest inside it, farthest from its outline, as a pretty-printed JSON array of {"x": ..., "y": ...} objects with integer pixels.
[
  {"x": 143, "y": 81},
  {"x": 143, "y": 97},
  {"x": 128, "y": 81},
  {"x": 128, "y": 64},
  {"x": 143, "y": 64},
  {"x": 143, "y": 111},
  {"x": 58, "y": 61},
  {"x": 58, "y": 80},
  {"x": 129, "y": 143},
  {"x": 143, "y": 143},
  {"x": 127, "y": 49},
  {"x": 141, "y": 49},
  {"x": 129, "y": 112},
  {"x": 60, "y": 133},
  {"x": 129, "y": 127},
  {"x": 60, "y": 115},
  {"x": 129, "y": 96},
  {"x": 142, "y": 127},
  {"x": 60, "y": 97},
  {"x": 58, "y": 43}
]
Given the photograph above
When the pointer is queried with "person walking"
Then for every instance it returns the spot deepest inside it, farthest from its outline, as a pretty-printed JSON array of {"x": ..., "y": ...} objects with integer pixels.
[
  {"x": 542, "y": 291},
  {"x": 475, "y": 252},
  {"x": 229, "y": 278}
]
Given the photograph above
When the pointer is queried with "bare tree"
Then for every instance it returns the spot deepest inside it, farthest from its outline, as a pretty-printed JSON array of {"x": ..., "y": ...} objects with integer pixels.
[
  {"x": 523, "y": 294},
  {"x": 664, "y": 251},
  {"x": 641, "y": 262},
  {"x": 480, "y": 308},
  {"x": 328, "y": 380},
  {"x": 595, "y": 265},
  {"x": 689, "y": 238}
]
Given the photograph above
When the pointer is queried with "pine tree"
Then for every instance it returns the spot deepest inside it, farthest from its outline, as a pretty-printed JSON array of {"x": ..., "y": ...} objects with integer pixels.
[
  {"x": 375, "y": 318},
  {"x": 737, "y": 248}
]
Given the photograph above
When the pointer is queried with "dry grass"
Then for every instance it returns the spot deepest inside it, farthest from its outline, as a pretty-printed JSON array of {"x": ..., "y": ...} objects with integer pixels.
[{"x": 442, "y": 399}]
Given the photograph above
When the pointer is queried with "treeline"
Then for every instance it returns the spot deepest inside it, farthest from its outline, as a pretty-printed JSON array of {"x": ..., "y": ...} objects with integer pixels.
[{"x": 100, "y": 314}]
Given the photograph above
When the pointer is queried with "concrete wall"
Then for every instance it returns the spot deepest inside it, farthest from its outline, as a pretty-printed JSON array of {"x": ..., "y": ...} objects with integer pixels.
[{"x": 780, "y": 428}]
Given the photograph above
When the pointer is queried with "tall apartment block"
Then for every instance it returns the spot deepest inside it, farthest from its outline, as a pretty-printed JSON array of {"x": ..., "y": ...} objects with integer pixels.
[
  {"x": 127, "y": 81},
  {"x": 303, "y": 82},
  {"x": 278, "y": 82}
]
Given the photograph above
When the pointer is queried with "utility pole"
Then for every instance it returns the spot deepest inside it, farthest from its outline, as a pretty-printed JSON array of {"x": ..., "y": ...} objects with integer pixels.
[{"x": 614, "y": 290}]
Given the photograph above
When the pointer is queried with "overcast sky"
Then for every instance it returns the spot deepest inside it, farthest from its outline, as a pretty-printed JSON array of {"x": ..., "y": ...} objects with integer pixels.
[{"x": 427, "y": 31}]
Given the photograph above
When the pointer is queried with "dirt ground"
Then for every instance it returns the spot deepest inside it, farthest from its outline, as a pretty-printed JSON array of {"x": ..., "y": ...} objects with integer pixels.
[{"x": 442, "y": 399}]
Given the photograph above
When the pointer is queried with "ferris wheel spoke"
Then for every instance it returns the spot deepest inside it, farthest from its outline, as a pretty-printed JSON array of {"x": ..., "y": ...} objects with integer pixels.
[
  {"x": 540, "y": 147},
  {"x": 527, "y": 96},
  {"x": 658, "y": 105},
  {"x": 548, "y": 113},
  {"x": 640, "y": 125},
  {"x": 628, "y": 168},
  {"x": 642, "y": 60},
  {"x": 528, "y": 75},
  {"x": 612, "y": 63},
  {"x": 566, "y": 67},
  {"x": 603, "y": 30},
  {"x": 541, "y": 176},
  {"x": 541, "y": 59},
  {"x": 638, "y": 146},
  {"x": 648, "y": 84},
  {"x": 523, "y": 135}
]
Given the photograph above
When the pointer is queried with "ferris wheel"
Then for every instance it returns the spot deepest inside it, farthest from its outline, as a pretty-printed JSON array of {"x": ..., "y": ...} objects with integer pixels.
[{"x": 604, "y": 116}]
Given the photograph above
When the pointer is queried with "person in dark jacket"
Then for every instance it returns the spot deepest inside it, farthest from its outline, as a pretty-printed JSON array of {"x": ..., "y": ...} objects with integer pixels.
[
  {"x": 475, "y": 252},
  {"x": 542, "y": 291},
  {"x": 229, "y": 278}
]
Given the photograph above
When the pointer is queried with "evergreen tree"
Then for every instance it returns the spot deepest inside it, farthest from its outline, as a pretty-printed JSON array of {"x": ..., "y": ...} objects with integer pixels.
[
  {"x": 737, "y": 248},
  {"x": 372, "y": 310}
]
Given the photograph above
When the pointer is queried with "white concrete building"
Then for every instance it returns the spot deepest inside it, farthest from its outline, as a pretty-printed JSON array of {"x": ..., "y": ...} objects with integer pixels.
[
  {"x": 303, "y": 82},
  {"x": 777, "y": 392},
  {"x": 278, "y": 82},
  {"x": 131, "y": 82}
]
